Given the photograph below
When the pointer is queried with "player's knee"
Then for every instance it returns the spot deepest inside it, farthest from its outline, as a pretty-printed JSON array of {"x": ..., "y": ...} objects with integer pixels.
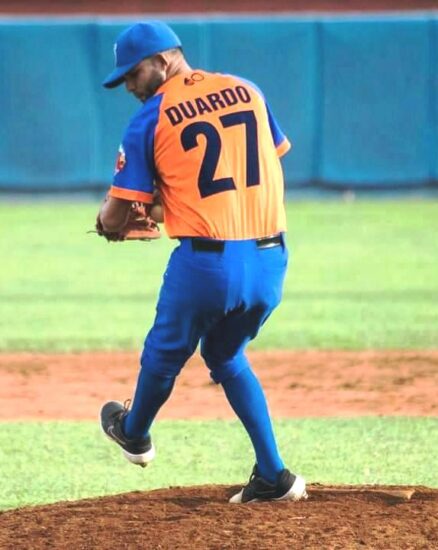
[
  {"x": 164, "y": 363},
  {"x": 221, "y": 369},
  {"x": 214, "y": 362}
]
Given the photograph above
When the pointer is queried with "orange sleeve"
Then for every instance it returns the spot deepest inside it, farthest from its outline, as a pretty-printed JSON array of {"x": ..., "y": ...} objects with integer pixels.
[{"x": 130, "y": 194}]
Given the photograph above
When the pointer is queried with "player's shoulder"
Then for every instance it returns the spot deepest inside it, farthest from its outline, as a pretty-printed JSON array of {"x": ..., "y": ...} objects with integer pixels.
[
  {"x": 146, "y": 116},
  {"x": 234, "y": 80},
  {"x": 247, "y": 82}
]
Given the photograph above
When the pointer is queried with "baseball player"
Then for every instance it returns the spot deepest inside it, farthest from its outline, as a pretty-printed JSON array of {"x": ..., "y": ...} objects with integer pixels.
[{"x": 209, "y": 144}]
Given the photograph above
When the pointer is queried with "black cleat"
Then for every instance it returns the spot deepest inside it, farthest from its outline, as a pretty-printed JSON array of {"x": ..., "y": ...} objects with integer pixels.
[
  {"x": 288, "y": 487},
  {"x": 137, "y": 451}
]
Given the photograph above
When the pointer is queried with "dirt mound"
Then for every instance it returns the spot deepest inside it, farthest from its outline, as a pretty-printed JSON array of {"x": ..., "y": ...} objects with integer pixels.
[{"x": 200, "y": 517}]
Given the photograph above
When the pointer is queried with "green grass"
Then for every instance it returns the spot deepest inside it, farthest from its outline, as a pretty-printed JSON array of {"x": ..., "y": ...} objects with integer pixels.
[
  {"x": 53, "y": 461},
  {"x": 363, "y": 275}
]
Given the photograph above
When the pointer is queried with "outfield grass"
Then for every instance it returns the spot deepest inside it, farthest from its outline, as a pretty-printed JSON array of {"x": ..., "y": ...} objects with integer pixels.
[
  {"x": 363, "y": 275},
  {"x": 49, "y": 462}
]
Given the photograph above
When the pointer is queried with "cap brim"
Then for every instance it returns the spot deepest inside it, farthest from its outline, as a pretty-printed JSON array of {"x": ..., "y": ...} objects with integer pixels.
[{"x": 118, "y": 76}]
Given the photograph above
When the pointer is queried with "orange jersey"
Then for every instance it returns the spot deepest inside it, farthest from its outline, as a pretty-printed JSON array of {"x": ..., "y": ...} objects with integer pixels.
[{"x": 211, "y": 146}]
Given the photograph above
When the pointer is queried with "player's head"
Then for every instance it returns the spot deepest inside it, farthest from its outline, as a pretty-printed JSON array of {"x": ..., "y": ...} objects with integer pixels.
[
  {"x": 144, "y": 79},
  {"x": 143, "y": 53}
]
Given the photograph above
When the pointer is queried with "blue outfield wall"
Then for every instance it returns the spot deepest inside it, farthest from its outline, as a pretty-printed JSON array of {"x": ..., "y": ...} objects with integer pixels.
[{"x": 357, "y": 95}]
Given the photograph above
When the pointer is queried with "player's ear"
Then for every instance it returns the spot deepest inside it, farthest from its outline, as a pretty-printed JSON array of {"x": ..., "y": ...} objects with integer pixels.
[{"x": 162, "y": 60}]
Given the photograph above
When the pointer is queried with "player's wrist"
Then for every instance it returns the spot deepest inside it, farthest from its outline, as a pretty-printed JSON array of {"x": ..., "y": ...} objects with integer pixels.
[{"x": 156, "y": 213}]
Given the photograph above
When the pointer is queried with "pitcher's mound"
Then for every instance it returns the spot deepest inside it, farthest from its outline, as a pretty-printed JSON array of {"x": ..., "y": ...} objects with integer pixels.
[{"x": 200, "y": 518}]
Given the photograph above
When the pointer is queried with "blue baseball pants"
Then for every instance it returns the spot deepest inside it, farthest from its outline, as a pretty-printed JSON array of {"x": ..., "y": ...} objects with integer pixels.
[{"x": 219, "y": 299}]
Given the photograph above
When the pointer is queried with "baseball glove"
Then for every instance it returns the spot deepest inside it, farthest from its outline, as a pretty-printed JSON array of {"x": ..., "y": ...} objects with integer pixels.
[{"x": 139, "y": 227}]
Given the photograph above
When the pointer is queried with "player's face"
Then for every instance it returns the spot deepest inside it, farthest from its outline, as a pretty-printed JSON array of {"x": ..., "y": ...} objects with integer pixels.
[{"x": 145, "y": 78}]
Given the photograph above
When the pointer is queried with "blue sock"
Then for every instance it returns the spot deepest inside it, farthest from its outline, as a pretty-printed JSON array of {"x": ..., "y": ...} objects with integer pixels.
[
  {"x": 246, "y": 396},
  {"x": 151, "y": 393}
]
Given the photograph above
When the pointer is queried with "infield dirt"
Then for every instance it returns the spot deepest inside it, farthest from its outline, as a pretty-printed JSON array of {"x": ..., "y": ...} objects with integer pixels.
[{"x": 298, "y": 384}]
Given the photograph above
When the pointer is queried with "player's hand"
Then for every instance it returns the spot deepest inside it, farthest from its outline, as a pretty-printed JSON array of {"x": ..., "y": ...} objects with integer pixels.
[
  {"x": 139, "y": 226},
  {"x": 109, "y": 235},
  {"x": 156, "y": 210}
]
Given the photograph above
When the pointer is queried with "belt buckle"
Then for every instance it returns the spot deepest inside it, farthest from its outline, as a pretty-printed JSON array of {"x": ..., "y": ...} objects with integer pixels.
[{"x": 269, "y": 242}]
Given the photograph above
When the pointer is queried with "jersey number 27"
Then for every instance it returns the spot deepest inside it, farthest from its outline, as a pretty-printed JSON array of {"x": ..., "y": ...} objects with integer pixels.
[{"x": 189, "y": 139}]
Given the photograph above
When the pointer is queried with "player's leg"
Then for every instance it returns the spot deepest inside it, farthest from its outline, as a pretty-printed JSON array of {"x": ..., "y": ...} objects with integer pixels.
[
  {"x": 270, "y": 480},
  {"x": 152, "y": 391},
  {"x": 223, "y": 350},
  {"x": 168, "y": 345},
  {"x": 191, "y": 297}
]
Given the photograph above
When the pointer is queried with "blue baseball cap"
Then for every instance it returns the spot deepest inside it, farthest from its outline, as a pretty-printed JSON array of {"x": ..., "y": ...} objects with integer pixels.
[{"x": 137, "y": 42}]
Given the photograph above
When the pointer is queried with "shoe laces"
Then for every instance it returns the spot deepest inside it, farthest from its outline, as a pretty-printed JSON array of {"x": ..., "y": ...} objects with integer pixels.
[{"x": 120, "y": 415}]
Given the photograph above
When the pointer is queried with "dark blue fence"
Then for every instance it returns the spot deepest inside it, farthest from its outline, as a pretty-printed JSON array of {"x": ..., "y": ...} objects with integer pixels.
[{"x": 358, "y": 96}]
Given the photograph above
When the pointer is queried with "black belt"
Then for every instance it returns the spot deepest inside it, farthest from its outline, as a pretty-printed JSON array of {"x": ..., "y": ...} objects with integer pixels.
[{"x": 208, "y": 245}]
